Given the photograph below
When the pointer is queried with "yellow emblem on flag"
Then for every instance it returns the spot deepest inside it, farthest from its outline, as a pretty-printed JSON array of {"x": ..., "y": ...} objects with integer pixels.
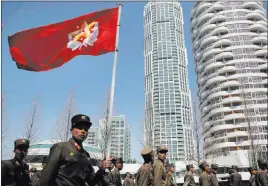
[
  {"x": 71, "y": 154},
  {"x": 85, "y": 36}
]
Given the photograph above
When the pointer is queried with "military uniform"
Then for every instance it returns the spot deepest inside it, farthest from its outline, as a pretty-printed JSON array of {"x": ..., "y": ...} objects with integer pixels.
[
  {"x": 212, "y": 176},
  {"x": 14, "y": 173},
  {"x": 69, "y": 164},
  {"x": 203, "y": 178},
  {"x": 128, "y": 182},
  {"x": 159, "y": 170},
  {"x": 144, "y": 176},
  {"x": 261, "y": 176},
  {"x": 36, "y": 177},
  {"x": 235, "y": 177},
  {"x": 170, "y": 181},
  {"x": 116, "y": 174},
  {"x": 107, "y": 179},
  {"x": 189, "y": 178},
  {"x": 252, "y": 179}
]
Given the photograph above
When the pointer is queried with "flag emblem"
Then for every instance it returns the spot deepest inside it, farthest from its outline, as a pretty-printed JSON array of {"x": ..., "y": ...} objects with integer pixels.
[{"x": 85, "y": 36}]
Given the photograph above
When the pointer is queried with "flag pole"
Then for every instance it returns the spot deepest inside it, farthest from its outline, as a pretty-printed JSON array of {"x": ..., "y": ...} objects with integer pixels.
[{"x": 111, "y": 100}]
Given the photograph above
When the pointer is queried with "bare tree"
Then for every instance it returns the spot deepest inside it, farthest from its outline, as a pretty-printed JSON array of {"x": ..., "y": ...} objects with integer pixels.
[
  {"x": 252, "y": 130},
  {"x": 197, "y": 155},
  {"x": 4, "y": 121},
  {"x": 6, "y": 141},
  {"x": 32, "y": 125},
  {"x": 104, "y": 134},
  {"x": 148, "y": 128},
  {"x": 63, "y": 123}
]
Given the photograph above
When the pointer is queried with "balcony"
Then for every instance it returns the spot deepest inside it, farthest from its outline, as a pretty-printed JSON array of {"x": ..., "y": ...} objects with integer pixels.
[
  {"x": 222, "y": 42},
  {"x": 204, "y": 17},
  {"x": 210, "y": 52},
  {"x": 249, "y": 5},
  {"x": 262, "y": 52},
  {"x": 255, "y": 16},
  {"x": 215, "y": 7},
  {"x": 257, "y": 27},
  {"x": 208, "y": 40},
  {"x": 218, "y": 18},
  {"x": 201, "y": 7},
  {"x": 219, "y": 30},
  {"x": 259, "y": 39},
  {"x": 206, "y": 28}
]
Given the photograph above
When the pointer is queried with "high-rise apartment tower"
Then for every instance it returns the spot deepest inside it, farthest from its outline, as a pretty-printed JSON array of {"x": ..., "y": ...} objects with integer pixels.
[
  {"x": 168, "y": 115},
  {"x": 229, "y": 42}
]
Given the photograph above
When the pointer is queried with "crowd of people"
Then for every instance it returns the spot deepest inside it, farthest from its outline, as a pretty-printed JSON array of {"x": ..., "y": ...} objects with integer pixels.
[{"x": 68, "y": 164}]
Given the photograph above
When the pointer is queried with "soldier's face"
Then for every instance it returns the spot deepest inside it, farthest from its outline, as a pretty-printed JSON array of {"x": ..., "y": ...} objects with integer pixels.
[
  {"x": 254, "y": 172},
  {"x": 20, "y": 153},
  {"x": 191, "y": 169},
  {"x": 80, "y": 131},
  {"x": 162, "y": 155},
  {"x": 119, "y": 166}
]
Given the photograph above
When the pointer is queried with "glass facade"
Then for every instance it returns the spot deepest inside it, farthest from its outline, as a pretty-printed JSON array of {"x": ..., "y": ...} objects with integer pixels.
[{"x": 168, "y": 116}]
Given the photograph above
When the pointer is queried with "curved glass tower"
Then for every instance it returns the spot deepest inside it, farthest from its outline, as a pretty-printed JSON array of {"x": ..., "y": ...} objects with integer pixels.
[{"x": 168, "y": 115}]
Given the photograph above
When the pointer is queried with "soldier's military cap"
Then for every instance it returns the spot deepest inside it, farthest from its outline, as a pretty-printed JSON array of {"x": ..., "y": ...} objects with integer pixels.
[
  {"x": 254, "y": 167},
  {"x": 80, "y": 118},
  {"x": 262, "y": 162},
  {"x": 189, "y": 166},
  {"x": 203, "y": 165},
  {"x": 33, "y": 170},
  {"x": 171, "y": 166},
  {"x": 146, "y": 151},
  {"x": 214, "y": 166},
  {"x": 21, "y": 143},
  {"x": 161, "y": 148},
  {"x": 119, "y": 160},
  {"x": 234, "y": 167},
  {"x": 44, "y": 159}
]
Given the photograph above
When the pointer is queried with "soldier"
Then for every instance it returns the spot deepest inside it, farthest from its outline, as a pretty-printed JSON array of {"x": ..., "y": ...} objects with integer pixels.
[
  {"x": 36, "y": 177},
  {"x": 68, "y": 163},
  {"x": 159, "y": 168},
  {"x": 261, "y": 176},
  {"x": 115, "y": 172},
  {"x": 212, "y": 176},
  {"x": 107, "y": 178},
  {"x": 144, "y": 176},
  {"x": 252, "y": 180},
  {"x": 170, "y": 181},
  {"x": 189, "y": 178},
  {"x": 236, "y": 178},
  {"x": 228, "y": 178},
  {"x": 33, "y": 171},
  {"x": 15, "y": 171},
  {"x": 128, "y": 180},
  {"x": 203, "y": 179}
]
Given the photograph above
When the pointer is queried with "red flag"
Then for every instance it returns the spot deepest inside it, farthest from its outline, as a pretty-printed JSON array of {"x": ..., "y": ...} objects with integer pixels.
[{"x": 51, "y": 46}]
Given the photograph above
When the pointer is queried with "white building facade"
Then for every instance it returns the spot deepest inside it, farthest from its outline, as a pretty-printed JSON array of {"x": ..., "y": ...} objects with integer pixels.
[
  {"x": 168, "y": 115},
  {"x": 93, "y": 137},
  {"x": 120, "y": 137},
  {"x": 229, "y": 42}
]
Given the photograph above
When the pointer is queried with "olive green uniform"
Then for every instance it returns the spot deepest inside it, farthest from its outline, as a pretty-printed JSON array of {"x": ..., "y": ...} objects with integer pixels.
[{"x": 159, "y": 173}]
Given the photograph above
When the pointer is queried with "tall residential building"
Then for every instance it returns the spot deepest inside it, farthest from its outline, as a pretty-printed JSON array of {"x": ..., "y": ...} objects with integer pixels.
[
  {"x": 120, "y": 137},
  {"x": 168, "y": 115},
  {"x": 93, "y": 137},
  {"x": 229, "y": 42}
]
